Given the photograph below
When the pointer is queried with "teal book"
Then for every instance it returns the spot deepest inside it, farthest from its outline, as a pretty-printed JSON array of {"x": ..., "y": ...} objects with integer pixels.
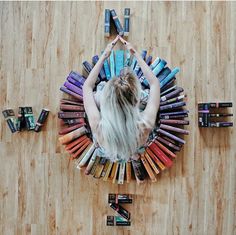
[
  {"x": 159, "y": 67},
  {"x": 169, "y": 77},
  {"x": 119, "y": 61},
  {"x": 112, "y": 64},
  {"x": 127, "y": 59},
  {"x": 106, "y": 68}
]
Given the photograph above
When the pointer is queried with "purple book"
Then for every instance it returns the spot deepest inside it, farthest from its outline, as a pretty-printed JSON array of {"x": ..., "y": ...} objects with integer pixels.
[
  {"x": 73, "y": 88},
  {"x": 76, "y": 83},
  {"x": 64, "y": 89}
]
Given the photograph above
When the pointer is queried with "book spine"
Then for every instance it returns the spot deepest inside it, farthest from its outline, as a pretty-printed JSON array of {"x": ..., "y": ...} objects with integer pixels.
[
  {"x": 66, "y": 115},
  {"x": 172, "y": 94},
  {"x": 155, "y": 159},
  {"x": 112, "y": 64},
  {"x": 166, "y": 117},
  {"x": 105, "y": 178},
  {"x": 91, "y": 162},
  {"x": 74, "y": 82},
  {"x": 172, "y": 106},
  {"x": 81, "y": 149},
  {"x": 29, "y": 118},
  {"x": 102, "y": 72},
  {"x": 155, "y": 63},
  {"x": 69, "y": 129},
  {"x": 67, "y": 91},
  {"x": 107, "y": 25},
  {"x": 72, "y": 135},
  {"x": 138, "y": 169},
  {"x": 174, "y": 129},
  {"x": 168, "y": 143},
  {"x": 10, "y": 118},
  {"x": 87, "y": 66},
  {"x": 168, "y": 90},
  {"x": 126, "y": 21},
  {"x": 161, "y": 155},
  {"x": 86, "y": 157},
  {"x": 75, "y": 142},
  {"x": 173, "y": 137},
  {"x": 106, "y": 67},
  {"x": 119, "y": 62},
  {"x": 148, "y": 168},
  {"x": 169, "y": 77},
  {"x": 159, "y": 67},
  {"x": 220, "y": 124},
  {"x": 164, "y": 149},
  {"x": 69, "y": 107},
  {"x": 78, "y": 160},
  {"x": 164, "y": 73},
  {"x": 174, "y": 122},
  {"x": 172, "y": 100},
  {"x": 121, "y": 173},
  {"x": 128, "y": 171},
  {"x": 116, "y": 20},
  {"x": 151, "y": 162},
  {"x": 73, "y": 88},
  {"x": 77, "y": 77}
]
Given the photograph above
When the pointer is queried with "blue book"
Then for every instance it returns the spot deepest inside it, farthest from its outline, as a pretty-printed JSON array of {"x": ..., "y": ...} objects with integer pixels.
[
  {"x": 137, "y": 67},
  {"x": 164, "y": 73},
  {"x": 119, "y": 61},
  {"x": 126, "y": 21},
  {"x": 102, "y": 74},
  {"x": 134, "y": 62},
  {"x": 155, "y": 63},
  {"x": 149, "y": 60},
  {"x": 170, "y": 83},
  {"x": 127, "y": 59},
  {"x": 106, "y": 68},
  {"x": 169, "y": 77},
  {"x": 112, "y": 64},
  {"x": 87, "y": 66},
  {"x": 107, "y": 26},
  {"x": 159, "y": 67}
]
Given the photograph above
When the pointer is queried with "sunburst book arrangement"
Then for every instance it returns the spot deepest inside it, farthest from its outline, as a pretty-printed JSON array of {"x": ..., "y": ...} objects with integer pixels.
[{"x": 164, "y": 142}]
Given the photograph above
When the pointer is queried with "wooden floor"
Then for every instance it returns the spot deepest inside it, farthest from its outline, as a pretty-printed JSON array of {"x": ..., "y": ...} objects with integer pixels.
[{"x": 42, "y": 193}]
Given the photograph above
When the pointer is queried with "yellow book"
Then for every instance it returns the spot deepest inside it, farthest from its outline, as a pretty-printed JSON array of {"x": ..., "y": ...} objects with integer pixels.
[{"x": 105, "y": 178}]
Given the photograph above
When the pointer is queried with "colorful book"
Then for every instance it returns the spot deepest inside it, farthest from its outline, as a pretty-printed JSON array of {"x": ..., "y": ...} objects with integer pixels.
[
  {"x": 119, "y": 61},
  {"x": 107, "y": 25},
  {"x": 126, "y": 21},
  {"x": 117, "y": 23},
  {"x": 112, "y": 64}
]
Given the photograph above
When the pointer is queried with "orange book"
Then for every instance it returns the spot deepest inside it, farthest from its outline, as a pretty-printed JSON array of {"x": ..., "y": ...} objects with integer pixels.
[
  {"x": 75, "y": 142},
  {"x": 72, "y": 135},
  {"x": 166, "y": 150},
  {"x": 128, "y": 171},
  {"x": 76, "y": 147},
  {"x": 152, "y": 164},
  {"x": 155, "y": 159},
  {"x": 148, "y": 168},
  {"x": 78, "y": 152}
]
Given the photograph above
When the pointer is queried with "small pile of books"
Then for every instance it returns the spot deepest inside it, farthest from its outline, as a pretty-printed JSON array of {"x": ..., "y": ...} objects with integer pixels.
[
  {"x": 111, "y": 16},
  {"x": 209, "y": 114},
  {"x": 165, "y": 140}
]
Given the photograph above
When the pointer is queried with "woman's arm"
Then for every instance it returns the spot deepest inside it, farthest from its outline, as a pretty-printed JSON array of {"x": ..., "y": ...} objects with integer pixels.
[
  {"x": 90, "y": 106},
  {"x": 153, "y": 103}
]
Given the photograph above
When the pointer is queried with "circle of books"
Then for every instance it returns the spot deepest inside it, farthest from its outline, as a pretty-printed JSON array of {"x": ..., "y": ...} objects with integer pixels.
[{"x": 165, "y": 140}]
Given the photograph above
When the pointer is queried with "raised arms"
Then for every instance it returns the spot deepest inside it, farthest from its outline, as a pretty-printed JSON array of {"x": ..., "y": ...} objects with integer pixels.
[
  {"x": 89, "y": 102},
  {"x": 153, "y": 103}
]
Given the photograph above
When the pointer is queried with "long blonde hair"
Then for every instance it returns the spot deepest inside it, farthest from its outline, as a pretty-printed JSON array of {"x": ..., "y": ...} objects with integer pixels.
[{"x": 120, "y": 116}]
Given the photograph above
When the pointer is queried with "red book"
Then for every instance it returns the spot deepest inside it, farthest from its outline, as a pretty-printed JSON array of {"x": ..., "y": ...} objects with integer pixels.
[
  {"x": 78, "y": 152},
  {"x": 71, "y": 128},
  {"x": 75, "y": 142},
  {"x": 160, "y": 154},
  {"x": 165, "y": 149}
]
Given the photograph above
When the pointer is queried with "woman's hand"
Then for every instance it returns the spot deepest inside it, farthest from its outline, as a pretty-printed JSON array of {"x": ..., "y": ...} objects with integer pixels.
[
  {"x": 128, "y": 45},
  {"x": 110, "y": 46}
]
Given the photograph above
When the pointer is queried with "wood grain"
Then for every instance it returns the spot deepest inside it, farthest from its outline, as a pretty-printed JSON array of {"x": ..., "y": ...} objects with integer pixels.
[{"x": 40, "y": 190}]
